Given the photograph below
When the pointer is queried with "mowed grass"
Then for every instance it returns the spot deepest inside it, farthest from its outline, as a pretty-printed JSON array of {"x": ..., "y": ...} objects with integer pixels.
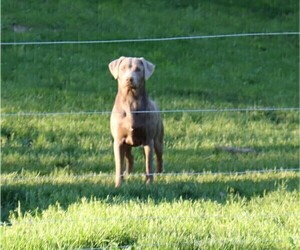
[
  {"x": 57, "y": 187},
  {"x": 178, "y": 212},
  {"x": 181, "y": 224}
]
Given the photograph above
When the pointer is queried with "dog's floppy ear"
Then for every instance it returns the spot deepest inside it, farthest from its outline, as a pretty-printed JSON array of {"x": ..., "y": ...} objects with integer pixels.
[
  {"x": 149, "y": 68},
  {"x": 114, "y": 67}
]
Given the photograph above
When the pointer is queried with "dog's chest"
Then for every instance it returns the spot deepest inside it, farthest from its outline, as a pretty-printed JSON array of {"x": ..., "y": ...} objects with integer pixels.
[
  {"x": 134, "y": 129},
  {"x": 129, "y": 122}
]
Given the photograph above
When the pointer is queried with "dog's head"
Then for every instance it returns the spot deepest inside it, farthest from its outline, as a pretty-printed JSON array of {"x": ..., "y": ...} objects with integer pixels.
[{"x": 131, "y": 72}]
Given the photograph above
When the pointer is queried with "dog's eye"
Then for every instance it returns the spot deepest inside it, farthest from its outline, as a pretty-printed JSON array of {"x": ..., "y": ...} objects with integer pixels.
[{"x": 137, "y": 69}]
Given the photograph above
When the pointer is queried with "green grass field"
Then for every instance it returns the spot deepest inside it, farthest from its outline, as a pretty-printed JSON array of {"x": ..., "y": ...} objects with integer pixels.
[{"x": 57, "y": 189}]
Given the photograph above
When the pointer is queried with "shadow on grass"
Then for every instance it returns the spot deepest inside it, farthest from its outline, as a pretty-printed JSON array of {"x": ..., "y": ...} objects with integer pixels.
[
  {"x": 35, "y": 197},
  {"x": 46, "y": 161},
  {"x": 76, "y": 160},
  {"x": 267, "y": 9}
]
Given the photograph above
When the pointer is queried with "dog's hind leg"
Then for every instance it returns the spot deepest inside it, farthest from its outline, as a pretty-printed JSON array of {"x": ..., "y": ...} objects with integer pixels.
[
  {"x": 158, "y": 147},
  {"x": 148, "y": 149}
]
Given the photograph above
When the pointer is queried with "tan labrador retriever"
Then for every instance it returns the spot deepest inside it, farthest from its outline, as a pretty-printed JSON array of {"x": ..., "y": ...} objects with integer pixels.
[{"x": 134, "y": 120}]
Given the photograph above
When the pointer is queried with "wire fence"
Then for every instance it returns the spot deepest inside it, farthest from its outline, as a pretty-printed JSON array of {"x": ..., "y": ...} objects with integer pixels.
[
  {"x": 289, "y": 33},
  {"x": 196, "y": 243},
  {"x": 25, "y": 113},
  {"x": 45, "y": 178},
  {"x": 152, "y": 111},
  {"x": 212, "y": 110}
]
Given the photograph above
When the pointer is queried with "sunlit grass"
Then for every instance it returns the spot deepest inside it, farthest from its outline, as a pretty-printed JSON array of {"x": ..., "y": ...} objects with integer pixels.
[
  {"x": 57, "y": 189},
  {"x": 178, "y": 224}
]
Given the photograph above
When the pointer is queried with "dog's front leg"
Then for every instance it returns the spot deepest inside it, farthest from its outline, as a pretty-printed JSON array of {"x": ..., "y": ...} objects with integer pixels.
[
  {"x": 119, "y": 159},
  {"x": 148, "y": 149}
]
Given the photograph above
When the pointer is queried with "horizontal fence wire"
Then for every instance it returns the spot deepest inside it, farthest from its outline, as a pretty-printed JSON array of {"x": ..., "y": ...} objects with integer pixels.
[
  {"x": 109, "y": 175},
  {"x": 152, "y": 111},
  {"x": 153, "y": 39}
]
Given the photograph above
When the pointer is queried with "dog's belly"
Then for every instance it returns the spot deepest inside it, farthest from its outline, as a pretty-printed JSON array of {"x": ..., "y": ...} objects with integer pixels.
[
  {"x": 134, "y": 129},
  {"x": 136, "y": 136}
]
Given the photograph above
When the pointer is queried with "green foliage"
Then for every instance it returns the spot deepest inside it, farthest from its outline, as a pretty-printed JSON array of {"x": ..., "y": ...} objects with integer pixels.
[{"x": 57, "y": 171}]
